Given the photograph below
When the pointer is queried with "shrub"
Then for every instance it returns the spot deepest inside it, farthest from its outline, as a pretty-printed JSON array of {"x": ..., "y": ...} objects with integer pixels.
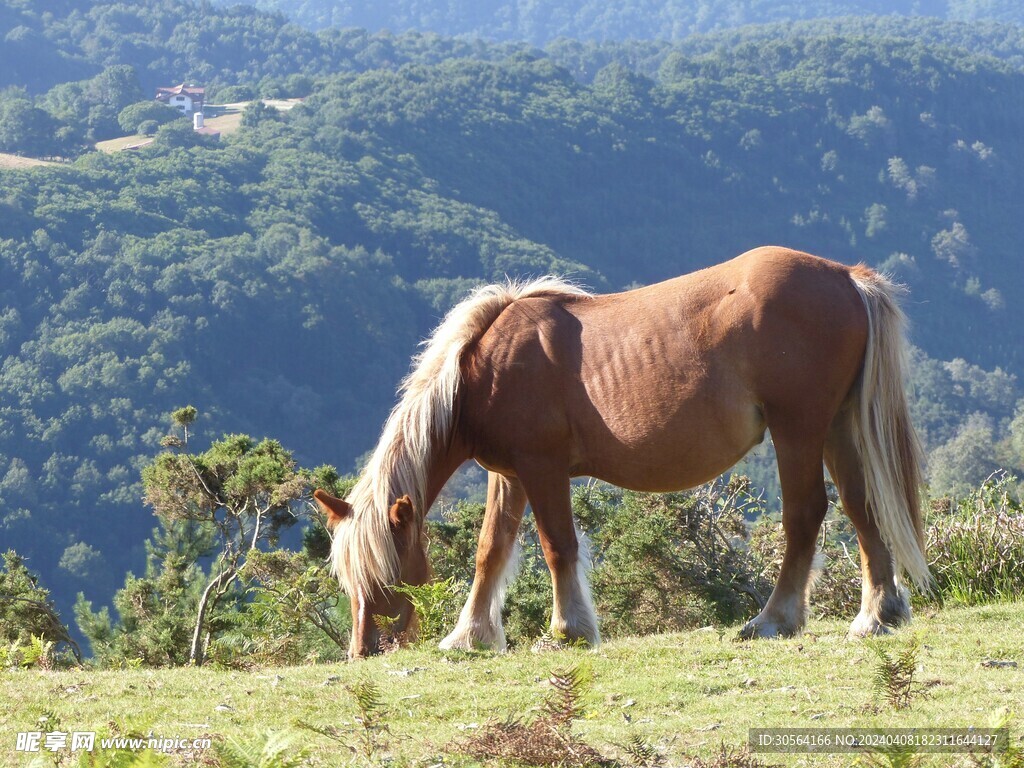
[
  {"x": 293, "y": 612},
  {"x": 712, "y": 555},
  {"x": 30, "y": 626},
  {"x": 453, "y": 540},
  {"x": 178, "y": 134},
  {"x": 671, "y": 561},
  {"x": 976, "y": 544},
  {"x": 156, "y": 609},
  {"x": 527, "y": 612},
  {"x": 131, "y": 117},
  {"x": 661, "y": 562},
  {"x": 234, "y": 93}
]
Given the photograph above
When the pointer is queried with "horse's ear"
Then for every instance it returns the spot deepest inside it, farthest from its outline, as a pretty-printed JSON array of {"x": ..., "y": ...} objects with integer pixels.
[
  {"x": 336, "y": 509},
  {"x": 401, "y": 513}
]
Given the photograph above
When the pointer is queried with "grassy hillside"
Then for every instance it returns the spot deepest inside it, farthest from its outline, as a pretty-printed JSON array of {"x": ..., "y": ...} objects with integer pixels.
[
  {"x": 14, "y": 161},
  {"x": 684, "y": 693}
]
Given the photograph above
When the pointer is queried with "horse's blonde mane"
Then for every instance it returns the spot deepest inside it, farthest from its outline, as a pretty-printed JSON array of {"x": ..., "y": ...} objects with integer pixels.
[{"x": 363, "y": 554}]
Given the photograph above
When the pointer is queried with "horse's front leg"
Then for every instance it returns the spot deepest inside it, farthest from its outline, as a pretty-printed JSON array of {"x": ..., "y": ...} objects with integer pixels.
[
  {"x": 479, "y": 624},
  {"x": 567, "y": 555}
]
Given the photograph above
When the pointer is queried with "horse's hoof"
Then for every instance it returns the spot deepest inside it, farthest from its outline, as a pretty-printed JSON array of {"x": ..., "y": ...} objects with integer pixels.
[
  {"x": 453, "y": 643},
  {"x": 752, "y": 631},
  {"x": 866, "y": 625},
  {"x": 755, "y": 629},
  {"x": 462, "y": 640},
  {"x": 462, "y": 643}
]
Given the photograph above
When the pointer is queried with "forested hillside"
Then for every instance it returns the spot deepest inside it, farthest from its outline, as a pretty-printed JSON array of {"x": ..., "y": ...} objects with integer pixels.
[
  {"x": 540, "y": 23},
  {"x": 166, "y": 41},
  {"x": 280, "y": 279},
  {"x": 67, "y": 72}
]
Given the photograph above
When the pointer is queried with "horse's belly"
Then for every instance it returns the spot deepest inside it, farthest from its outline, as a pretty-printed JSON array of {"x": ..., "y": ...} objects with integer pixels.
[
  {"x": 668, "y": 472},
  {"x": 694, "y": 446}
]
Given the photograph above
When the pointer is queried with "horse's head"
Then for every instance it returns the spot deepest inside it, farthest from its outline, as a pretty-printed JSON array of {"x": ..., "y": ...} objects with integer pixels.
[{"x": 370, "y": 597}]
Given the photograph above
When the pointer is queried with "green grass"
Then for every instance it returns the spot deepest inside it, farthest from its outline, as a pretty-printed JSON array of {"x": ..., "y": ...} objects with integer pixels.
[
  {"x": 17, "y": 161},
  {"x": 686, "y": 693},
  {"x": 228, "y": 122},
  {"x": 124, "y": 142}
]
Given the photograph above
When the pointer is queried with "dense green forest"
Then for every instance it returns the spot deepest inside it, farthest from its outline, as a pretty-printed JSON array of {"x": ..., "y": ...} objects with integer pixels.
[
  {"x": 540, "y": 23},
  {"x": 280, "y": 279},
  {"x": 166, "y": 41},
  {"x": 68, "y": 70}
]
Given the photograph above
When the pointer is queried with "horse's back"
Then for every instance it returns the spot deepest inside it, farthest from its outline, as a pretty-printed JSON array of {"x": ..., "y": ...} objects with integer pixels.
[{"x": 768, "y": 318}]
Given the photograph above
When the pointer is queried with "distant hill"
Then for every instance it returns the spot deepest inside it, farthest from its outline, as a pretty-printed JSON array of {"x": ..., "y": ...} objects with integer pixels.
[
  {"x": 542, "y": 22},
  {"x": 167, "y": 41}
]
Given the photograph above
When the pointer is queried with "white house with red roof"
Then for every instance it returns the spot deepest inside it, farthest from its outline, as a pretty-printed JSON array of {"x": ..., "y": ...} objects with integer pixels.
[{"x": 186, "y": 97}]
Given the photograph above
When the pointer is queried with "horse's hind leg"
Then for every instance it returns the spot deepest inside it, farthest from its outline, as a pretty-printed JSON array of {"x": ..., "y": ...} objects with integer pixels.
[
  {"x": 884, "y": 602},
  {"x": 572, "y": 615},
  {"x": 479, "y": 623},
  {"x": 804, "y": 503}
]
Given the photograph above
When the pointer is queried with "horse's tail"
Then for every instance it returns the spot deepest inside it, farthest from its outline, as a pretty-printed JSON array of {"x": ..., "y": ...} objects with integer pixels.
[{"x": 889, "y": 449}]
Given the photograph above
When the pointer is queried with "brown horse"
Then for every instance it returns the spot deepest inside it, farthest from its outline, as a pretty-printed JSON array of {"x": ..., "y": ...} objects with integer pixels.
[{"x": 657, "y": 389}]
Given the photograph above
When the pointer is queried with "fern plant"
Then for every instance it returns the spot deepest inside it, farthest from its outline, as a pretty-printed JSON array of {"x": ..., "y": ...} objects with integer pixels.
[
  {"x": 9, "y": 655},
  {"x": 436, "y": 604},
  {"x": 1008, "y": 754},
  {"x": 565, "y": 701},
  {"x": 642, "y": 754},
  {"x": 372, "y": 729},
  {"x": 547, "y": 739},
  {"x": 38, "y": 652},
  {"x": 271, "y": 749},
  {"x": 893, "y": 679}
]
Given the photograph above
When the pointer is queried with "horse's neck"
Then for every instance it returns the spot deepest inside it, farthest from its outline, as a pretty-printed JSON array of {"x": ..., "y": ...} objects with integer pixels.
[{"x": 446, "y": 459}]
